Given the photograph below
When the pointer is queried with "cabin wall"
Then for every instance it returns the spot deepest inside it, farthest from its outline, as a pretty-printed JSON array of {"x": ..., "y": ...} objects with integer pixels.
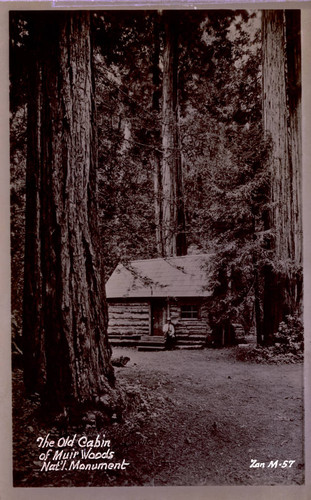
[
  {"x": 133, "y": 318},
  {"x": 128, "y": 318},
  {"x": 190, "y": 326}
]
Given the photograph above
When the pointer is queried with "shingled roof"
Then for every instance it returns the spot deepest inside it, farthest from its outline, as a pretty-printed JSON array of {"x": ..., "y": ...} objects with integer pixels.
[{"x": 186, "y": 276}]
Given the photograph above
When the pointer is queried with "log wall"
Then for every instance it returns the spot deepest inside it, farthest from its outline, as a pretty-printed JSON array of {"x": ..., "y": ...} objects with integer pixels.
[
  {"x": 133, "y": 318},
  {"x": 128, "y": 318},
  {"x": 191, "y": 326}
]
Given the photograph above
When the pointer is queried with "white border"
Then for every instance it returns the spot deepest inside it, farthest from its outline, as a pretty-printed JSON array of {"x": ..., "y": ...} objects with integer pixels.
[{"x": 7, "y": 492}]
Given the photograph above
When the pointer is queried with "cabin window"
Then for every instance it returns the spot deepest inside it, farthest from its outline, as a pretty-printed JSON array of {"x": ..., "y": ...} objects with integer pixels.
[{"x": 189, "y": 312}]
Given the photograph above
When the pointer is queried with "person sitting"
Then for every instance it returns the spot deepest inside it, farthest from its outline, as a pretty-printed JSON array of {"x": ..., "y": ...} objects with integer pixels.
[{"x": 169, "y": 334}]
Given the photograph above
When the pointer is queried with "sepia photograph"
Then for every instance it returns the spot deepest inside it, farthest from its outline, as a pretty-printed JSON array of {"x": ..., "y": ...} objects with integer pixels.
[{"x": 156, "y": 248}]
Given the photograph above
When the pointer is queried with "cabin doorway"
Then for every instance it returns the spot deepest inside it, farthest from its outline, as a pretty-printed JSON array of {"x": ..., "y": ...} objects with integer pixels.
[{"x": 158, "y": 317}]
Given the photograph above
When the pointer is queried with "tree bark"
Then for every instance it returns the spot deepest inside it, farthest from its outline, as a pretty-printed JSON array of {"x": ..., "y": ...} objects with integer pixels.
[
  {"x": 293, "y": 54},
  {"x": 156, "y": 156},
  {"x": 63, "y": 270},
  {"x": 282, "y": 123},
  {"x": 174, "y": 234}
]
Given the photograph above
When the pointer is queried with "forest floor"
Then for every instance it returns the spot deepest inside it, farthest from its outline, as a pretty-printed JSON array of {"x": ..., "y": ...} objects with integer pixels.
[{"x": 194, "y": 418}]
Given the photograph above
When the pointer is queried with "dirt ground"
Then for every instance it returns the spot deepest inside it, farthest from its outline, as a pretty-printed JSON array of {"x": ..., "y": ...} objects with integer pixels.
[{"x": 194, "y": 418}]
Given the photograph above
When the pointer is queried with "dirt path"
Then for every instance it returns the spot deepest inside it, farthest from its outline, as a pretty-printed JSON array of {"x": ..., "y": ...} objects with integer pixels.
[
  {"x": 196, "y": 418},
  {"x": 222, "y": 413}
]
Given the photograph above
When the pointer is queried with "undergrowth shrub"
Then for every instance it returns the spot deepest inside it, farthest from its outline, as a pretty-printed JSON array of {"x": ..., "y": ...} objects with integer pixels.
[
  {"x": 288, "y": 345},
  {"x": 289, "y": 337}
]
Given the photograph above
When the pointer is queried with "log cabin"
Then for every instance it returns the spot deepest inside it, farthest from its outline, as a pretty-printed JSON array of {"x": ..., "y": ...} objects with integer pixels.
[{"x": 142, "y": 294}]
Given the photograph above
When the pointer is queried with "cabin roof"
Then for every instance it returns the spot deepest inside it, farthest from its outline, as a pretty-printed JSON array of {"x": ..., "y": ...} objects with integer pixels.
[{"x": 187, "y": 276}]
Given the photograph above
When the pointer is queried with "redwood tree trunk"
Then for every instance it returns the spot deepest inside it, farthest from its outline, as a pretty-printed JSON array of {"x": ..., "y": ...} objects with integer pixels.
[
  {"x": 282, "y": 122},
  {"x": 156, "y": 156},
  {"x": 63, "y": 269},
  {"x": 174, "y": 235},
  {"x": 293, "y": 54}
]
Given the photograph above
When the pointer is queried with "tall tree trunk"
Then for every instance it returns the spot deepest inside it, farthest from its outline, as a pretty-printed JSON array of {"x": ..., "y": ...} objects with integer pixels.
[
  {"x": 172, "y": 182},
  {"x": 63, "y": 269},
  {"x": 282, "y": 122},
  {"x": 157, "y": 182},
  {"x": 156, "y": 156},
  {"x": 293, "y": 54},
  {"x": 275, "y": 125}
]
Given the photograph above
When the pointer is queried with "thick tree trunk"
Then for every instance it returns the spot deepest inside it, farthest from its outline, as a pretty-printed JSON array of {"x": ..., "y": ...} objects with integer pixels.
[
  {"x": 68, "y": 292},
  {"x": 174, "y": 235},
  {"x": 275, "y": 125},
  {"x": 282, "y": 122}
]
